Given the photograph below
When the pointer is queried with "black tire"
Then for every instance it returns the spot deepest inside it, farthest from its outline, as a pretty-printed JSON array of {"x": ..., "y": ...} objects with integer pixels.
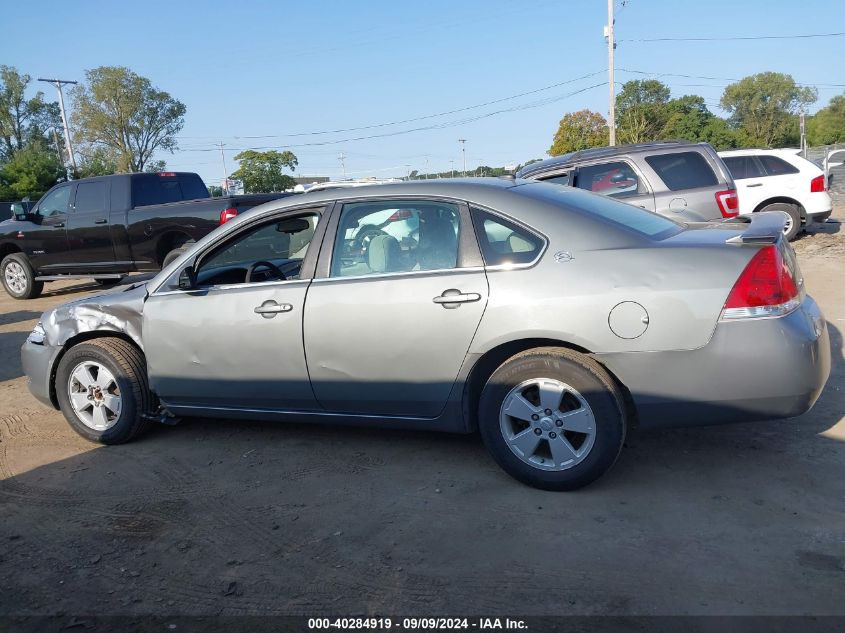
[
  {"x": 172, "y": 255},
  {"x": 794, "y": 214},
  {"x": 584, "y": 375},
  {"x": 31, "y": 288},
  {"x": 128, "y": 366}
]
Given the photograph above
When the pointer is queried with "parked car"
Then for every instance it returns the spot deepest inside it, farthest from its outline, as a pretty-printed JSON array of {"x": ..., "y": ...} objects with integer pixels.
[
  {"x": 523, "y": 310},
  {"x": 780, "y": 180},
  {"x": 109, "y": 226},
  {"x": 684, "y": 181}
]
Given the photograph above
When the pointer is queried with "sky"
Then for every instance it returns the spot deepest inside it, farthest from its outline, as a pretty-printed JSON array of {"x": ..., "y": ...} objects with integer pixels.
[{"x": 277, "y": 75}]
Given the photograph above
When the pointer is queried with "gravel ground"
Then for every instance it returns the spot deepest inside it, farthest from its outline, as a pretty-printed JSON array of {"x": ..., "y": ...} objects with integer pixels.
[{"x": 228, "y": 518}]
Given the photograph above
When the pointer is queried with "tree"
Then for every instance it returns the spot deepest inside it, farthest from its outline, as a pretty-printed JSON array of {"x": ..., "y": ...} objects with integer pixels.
[
  {"x": 124, "y": 114},
  {"x": 641, "y": 110},
  {"x": 30, "y": 172},
  {"x": 96, "y": 161},
  {"x": 764, "y": 107},
  {"x": 23, "y": 121},
  {"x": 579, "y": 130},
  {"x": 261, "y": 172},
  {"x": 690, "y": 119},
  {"x": 828, "y": 124}
]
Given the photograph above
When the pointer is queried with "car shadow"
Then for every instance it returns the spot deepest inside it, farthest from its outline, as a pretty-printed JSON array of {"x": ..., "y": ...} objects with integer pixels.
[
  {"x": 10, "y": 344},
  {"x": 18, "y": 316}
]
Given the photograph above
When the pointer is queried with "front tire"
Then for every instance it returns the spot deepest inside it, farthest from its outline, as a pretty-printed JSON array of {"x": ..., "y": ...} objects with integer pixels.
[
  {"x": 552, "y": 418},
  {"x": 103, "y": 391},
  {"x": 793, "y": 227},
  {"x": 19, "y": 277}
]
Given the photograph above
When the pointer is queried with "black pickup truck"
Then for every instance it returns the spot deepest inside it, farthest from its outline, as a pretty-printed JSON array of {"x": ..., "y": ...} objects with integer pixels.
[{"x": 106, "y": 227}]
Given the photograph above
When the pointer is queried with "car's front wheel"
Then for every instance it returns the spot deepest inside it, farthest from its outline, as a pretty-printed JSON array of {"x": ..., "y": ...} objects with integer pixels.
[
  {"x": 552, "y": 418},
  {"x": 19, "y": 278},
  {"x": 102, "y": 390}
]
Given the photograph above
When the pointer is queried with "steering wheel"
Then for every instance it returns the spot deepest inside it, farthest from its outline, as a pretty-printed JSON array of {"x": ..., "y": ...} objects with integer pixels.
[{"x": 264, "y": 264}]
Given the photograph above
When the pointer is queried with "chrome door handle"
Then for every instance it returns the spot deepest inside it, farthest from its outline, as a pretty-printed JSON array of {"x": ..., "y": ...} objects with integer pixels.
[
  {"x": 756, "y": 184},
  {"x": 270, "y": 308},
  {"x": 452, "y": 298}
]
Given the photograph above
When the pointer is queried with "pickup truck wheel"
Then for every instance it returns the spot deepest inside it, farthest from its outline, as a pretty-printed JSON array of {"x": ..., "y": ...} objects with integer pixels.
[
  {"x": 103, "y": 391},
  {"x": 552, "y": 418},
  {"x": 793, "y": 225},
  {"x": 19, "y": 278},
  {"x": 172, "y": 255}
]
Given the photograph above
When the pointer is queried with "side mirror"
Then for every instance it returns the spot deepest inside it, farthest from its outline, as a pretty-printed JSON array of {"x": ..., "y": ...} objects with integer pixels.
[
  {"x": 188, "y": 279},
  {"x": 19, "y": 212}
]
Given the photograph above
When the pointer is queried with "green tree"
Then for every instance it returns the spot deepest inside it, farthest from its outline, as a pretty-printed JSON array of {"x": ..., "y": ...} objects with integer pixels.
[
  {"x": 828, "y": 124},
  {"x": 96, "y": 161},
  {"x": 125, "y": 115},
  {"x": 688, "y": 118},
  {"x": 764, "y": 107},
  {"x": 30, "y": 172},
  {"x": 23, "y": 121},
  {"x": 641, "y": 110},
  {"x": 579, "y": 130},
  {"x": 262, "y": 172}
]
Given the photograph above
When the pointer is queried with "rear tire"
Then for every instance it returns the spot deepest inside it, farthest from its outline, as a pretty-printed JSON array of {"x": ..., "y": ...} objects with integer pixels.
[
  {"x": 19, "y": 278},
  {"x": 794, "y": 227},
  {"x": 552, "y": 418},
  {"x": 103, "y": 391}
]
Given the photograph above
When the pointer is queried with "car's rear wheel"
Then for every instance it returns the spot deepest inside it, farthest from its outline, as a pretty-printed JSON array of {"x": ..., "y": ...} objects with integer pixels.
[
  {"x": 19, "y": 278},
  {"x": 552, "y": 418},
  {"x": 103, "y": 392},
  {"x": 793, "y": 224}
]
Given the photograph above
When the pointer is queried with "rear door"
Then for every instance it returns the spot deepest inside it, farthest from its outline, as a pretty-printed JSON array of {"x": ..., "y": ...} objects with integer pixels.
[
  {"x": 782, "y": 178},
  {"x": 617, "y": 179},
  {"x": 399, "y": 295},
  {"x": 89, "y": 238},
  {"x": 750, "y": 180},
  {"x": 690, "y": 183}
]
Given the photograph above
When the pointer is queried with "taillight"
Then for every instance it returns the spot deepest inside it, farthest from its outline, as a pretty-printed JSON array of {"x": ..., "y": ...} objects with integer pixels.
[
  {"x": 401, "y": 214},
  {"x": 227, "y": 214},
  {"x": 817, "y": 184},
  {"x": 167, "y": 174},
  {"x": 728, "y": 203},
  {"x": 765, "y": 288}
]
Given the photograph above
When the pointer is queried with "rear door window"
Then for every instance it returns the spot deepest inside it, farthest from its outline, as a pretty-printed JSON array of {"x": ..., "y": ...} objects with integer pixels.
[
  {"x": 616, "y": 179},
  {"x": 90, "y": 196},
  {"x": 683, "y": 170},
  {"x": 559, "y": 179},
  {"x": 775, "y": 166},
  {"x": 742, "y": 167},
  {"x": 503, "y": 242}
]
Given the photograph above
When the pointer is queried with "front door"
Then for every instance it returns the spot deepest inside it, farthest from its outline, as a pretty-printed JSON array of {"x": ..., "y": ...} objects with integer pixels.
[
  {"x": 47, "y": 241},
  {"x": 89, "y": 239},
  {"x": 235, "y": 340},
  {"x": 387, "y": 329}
]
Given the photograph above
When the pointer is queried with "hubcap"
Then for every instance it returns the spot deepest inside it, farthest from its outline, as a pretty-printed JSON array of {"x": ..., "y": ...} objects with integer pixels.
[
  {"x": 15, "y": 277},
  {"x": 547, "y": 424},
  {"x": 94, "y": 395}
]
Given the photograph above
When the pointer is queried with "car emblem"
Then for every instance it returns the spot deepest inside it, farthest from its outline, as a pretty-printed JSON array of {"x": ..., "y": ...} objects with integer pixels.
[{"x": 563, "y": 256}]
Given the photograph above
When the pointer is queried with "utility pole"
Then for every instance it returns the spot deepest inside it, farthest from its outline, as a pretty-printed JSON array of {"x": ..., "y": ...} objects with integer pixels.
[
  {"x": 611, "y": 45},
  {"x": 342, "y": 159},
  {"x": 452, "y": 164},
  {"x": 463, "y": 143},
  {"x": 426, "y": 167},
  {"x": 225, "y": 171},
  {"x": 802, "y": 122},
  {"x": 408, "y": 167},
  {"x": 58, "y": 145},
  {"x": 58, "y": 83}
]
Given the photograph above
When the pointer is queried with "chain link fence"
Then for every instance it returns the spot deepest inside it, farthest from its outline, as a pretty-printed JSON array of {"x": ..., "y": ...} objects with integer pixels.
[{"x": 836, "y": 173}]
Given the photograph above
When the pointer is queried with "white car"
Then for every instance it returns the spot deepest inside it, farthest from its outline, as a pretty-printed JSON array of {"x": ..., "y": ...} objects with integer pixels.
[{"x": 779, "y": 179}]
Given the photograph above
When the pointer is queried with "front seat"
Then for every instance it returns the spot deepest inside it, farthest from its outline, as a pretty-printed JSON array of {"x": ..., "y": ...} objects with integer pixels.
[{"x": 384, "y": 254}]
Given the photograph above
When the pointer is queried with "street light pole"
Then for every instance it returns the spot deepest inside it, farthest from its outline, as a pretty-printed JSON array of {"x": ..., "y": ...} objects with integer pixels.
[
  {"x": 611, "y": 45},
  {"x": 463, "y": 143},
  {"x": 58, "y": 83},
  {"x": 452, "y": 164}
]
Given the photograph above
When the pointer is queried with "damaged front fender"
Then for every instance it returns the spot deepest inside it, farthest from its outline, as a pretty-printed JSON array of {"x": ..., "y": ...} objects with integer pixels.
[{"x": 119, "y": 311}]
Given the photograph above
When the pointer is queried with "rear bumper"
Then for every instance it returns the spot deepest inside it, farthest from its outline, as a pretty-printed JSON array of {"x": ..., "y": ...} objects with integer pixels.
[
  {"x": 38, "y": 361},
  {"x": 756, "y": 369},
  {"x": 819, "y": 218}
]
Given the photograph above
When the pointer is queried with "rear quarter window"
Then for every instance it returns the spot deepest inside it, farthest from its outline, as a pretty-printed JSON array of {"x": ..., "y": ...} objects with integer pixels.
[
  {"x": 150, "y": 189},
  {"x": 683, "y": 170}
]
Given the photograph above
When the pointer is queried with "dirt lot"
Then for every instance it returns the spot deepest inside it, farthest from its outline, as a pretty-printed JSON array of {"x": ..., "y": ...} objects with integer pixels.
[{"x": 215, "y": 517}]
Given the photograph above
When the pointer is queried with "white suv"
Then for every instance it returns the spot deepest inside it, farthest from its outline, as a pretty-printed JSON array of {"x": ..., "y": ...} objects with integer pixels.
[{"x": 779, "y": 179}]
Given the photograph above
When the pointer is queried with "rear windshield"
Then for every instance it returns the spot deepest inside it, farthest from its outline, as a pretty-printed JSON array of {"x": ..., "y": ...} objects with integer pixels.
[
  {"x": 148, "y": 189},
  {"x": 625, "y": 215},
  {"x": 683, "y": 170}
]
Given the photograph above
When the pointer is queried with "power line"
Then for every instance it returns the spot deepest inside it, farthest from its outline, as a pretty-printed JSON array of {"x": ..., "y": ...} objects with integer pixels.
[
  {"x": 415, "y": 119},
  {"x": 734, "y": 39},
  {"x": 657, "y": 74}
]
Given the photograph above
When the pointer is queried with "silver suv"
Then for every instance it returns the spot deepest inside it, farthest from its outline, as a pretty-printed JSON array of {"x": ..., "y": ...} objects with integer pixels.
[{"x": 685, "y": 181}]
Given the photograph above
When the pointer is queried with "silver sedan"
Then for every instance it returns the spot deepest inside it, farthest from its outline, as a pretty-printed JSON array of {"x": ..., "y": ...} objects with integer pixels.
[{"x": 548, "y": 318}]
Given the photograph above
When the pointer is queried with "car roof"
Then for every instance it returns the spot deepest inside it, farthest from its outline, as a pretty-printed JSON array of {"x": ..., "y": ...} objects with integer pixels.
[
  {"x": 602, "y": 152},
  {"x": 757, "y": 151}
]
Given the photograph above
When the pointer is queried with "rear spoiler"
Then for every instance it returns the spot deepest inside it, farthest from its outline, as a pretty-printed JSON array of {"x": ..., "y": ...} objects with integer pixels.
[{"x": 765, "y": 228}]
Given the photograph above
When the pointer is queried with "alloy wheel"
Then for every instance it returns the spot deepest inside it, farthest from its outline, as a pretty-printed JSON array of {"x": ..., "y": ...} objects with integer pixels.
[{"x": 94, "y": 395}]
